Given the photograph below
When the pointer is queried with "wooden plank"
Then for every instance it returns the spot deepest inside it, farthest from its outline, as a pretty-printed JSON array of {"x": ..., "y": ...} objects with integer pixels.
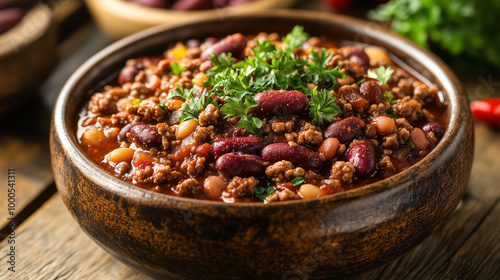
[{"x": 51, "y": 245}]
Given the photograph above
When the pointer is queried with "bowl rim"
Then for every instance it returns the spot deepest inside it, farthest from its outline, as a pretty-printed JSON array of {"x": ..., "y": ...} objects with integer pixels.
[{"x": 112, "y": 184}]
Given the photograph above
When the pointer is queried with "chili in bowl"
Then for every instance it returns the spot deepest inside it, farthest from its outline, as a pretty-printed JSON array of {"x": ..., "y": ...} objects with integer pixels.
[{"x": 295, "y": 141}]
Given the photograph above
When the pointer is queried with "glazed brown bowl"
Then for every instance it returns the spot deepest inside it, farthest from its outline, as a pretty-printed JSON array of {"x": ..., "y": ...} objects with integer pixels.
[{"x": 333, "y": 236}]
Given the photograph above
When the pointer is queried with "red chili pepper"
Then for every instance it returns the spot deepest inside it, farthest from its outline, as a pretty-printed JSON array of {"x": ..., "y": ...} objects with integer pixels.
[{"x": 487, "y": 110}]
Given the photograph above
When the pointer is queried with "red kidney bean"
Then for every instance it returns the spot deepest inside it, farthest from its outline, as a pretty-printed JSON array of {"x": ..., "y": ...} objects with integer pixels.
[
  {"x": 279, "y": 102},
  {"x": 247, "y": 145},
  {"x": 362, "y": 155},
  {"x": 127, "y": 74},
  {"x": 193, "y": 43},
  {"x": 9, "y": 18},
  {"x": 359, "y": 56},
  {"x": 237, "y": 164},
  {"x": 350, "y": 95},
  {"x": 298, "y": 155},
  {"x": 345, "y": 130},
  {"x": 152, "y": 3},
  {"x": 188, "y": 5},
  {"x": 145, "y": 136},
  {"x": 234, "y": 44},
  {"x": 433, "y": 127},
  {"x": 372, "y": 91},
  {"x": 206, "y": 65},
  {"x": 126, "y": 129},
  {"x": 210, "y": 41}
]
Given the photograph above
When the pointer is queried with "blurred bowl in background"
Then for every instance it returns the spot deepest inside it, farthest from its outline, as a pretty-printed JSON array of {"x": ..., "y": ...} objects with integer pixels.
[
  {"x": 119, "y": 18},
  {"x": 27, "y": 54}
]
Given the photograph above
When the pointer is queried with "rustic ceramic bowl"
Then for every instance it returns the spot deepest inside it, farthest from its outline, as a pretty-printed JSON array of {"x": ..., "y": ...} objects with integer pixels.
[
  {"x": 333, "y": 236},
  {"x": 119, "y": 18},
  {"x": 27, "y": 53}
]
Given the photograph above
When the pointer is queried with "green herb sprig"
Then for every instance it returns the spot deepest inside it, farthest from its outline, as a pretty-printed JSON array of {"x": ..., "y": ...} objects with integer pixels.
[
  {"x": 382, "y": 74},
  {"x": 263, "y": 192},
  {"x": 323, "y": 107}
]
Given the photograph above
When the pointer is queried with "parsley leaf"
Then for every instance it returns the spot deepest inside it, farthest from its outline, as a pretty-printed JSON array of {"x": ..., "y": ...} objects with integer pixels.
[
  {"x": 234, "y": 107},
  {"x": 317, "y": 68},
  {"x": 323, "y": 106},
  {"x": 137, "y": 101},
  {"x": 263, "y": 192},
  {"x": 409, "y": 143},
  {"x": 177, "y": 69},
  {"x": 181, "y": 92},
  {"x": 190, "y": 110},
  {"x": 388, "y": 98},
  {"x": 163, "y": 105},
  {"x": 221, "y": 63},
  {"x": 294, "y": 39},
  {"x": 298, "y": 181},
  {"x": 382, "y": 74}
]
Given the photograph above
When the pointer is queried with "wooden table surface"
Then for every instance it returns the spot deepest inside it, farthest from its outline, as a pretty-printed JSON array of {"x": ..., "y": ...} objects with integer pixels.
[{"x": 50, "y": 245}]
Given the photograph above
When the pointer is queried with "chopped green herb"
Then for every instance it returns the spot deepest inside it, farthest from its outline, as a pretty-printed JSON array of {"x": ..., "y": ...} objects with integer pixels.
[
  {"x": 360, "y": 81},
  {"x": 263, "y": 192},
  {"x": 294, "y": 39},
  {"x": 382, "y": 74},
  {"x": 177, "y": 69},
  {"x": 190, "y": 110},
  {"x": 394, "y": 116},
  {"x": 323, "y": 107},
  {"x": 298, "y": 181},
  {"x": 317, "y": 68},
  {"x": 236, "y": 108},
  {"x": 388, "y": 98},
  {"x": 409, "y": 143},
  {"x": 221, "y": 63},
  {"x": 137, "y": 101},
  {"x": 163, "y": 105},
  {"x": 181, "y": 92}
]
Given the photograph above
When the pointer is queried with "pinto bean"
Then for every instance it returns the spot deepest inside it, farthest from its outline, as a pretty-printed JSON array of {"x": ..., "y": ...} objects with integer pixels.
[
  {"x": 279, "y": 102},
  {"x": 418, "y": 138},
  {"x": 359, "y": 56},
  {"x": 350, "y": 95},
  {"x": 385, "y": 125},
  {"x": 145, "y": 136},
  {"x": 247, "y": 145},
  {"x": 214, "y": 186},
  {"x": 188, "y": 5},
  {"x": 298, "y": 155},
  {"x": 329, "y": 148},
  {"x": 345, "y": 130},
  {"x": 372, "y": 91},
  {"x": 309, "y": 191},
  {"x": 362, "y": 155},
  {"x": 234, "y": 44},
  {"x": 237, "y": 164},
  {"x": 433, "y": 127}
]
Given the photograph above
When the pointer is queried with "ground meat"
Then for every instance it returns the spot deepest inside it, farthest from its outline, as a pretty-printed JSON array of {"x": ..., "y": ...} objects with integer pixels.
[
  {"x": 143, "y": 175},
  {"x": 343, "y": 171},
  {"x": 309, "y": 135},
  {"x": 122, "y": 167},
  {"x": 283, "y": 171},
  {"x": 106, "y": 102},
  {"x": 279, "y": 126},
  {"x": 148, "y": 109},
  {"x": 282, "y": 196},
  {"x": 204, "y": 134},
  {"x": 408, "y": 108},
  {"x": 391, "y": 141},
  {"x": 196, "y": 166},
  {"x": 386, "y": 163},
  {"x": 403, "y": 89},
  {"x": 422, "y": 92},
  {"x": 162, "y": 173},
  {"x": 242, "y": 187},
  {"x": 379, "y": 109},
  {"x": 188, "y": 188},
  {"x": 209, "y": 115},
  {"x": 139, "y": 90}
]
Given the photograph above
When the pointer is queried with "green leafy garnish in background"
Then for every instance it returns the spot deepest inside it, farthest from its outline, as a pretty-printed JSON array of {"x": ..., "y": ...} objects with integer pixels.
[
  {"x": 177, "y": 69},
  {"x": 382, "y": 74},
  {"x": 295, "y": 38},
  {"x": 459, "y": 27}
]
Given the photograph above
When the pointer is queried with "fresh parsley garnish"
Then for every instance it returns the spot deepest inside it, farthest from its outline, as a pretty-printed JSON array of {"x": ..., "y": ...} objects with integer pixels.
[
  {"x": 294, "y": 39},
  {"x": 181, "y": 92},
  {"x": 177, "y": 69},
  {"x": 221, "y": 63},
  {"x": 382, "y": 74},
  {"x": 388, "y": 98},
  {"x": 298, "y": 181},
  {"x": 239, "y": 109},
  {"x": 323, "y": 106},
  {"x": 317, "y": 68},
  {"x": 163, "y": 105},
  {"x": 409, "y": 143},
  {"x": 360, "y": 81},
  {"x": 137, "y": 101},
  {"x": 263, "y": 192},
  {"x": 190, "y": 110}
]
